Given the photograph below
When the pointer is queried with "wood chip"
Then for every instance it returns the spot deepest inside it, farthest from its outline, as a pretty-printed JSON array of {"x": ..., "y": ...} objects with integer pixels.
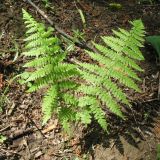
[
  {"x": 38, "y": 154},
  {"x": 50, "y": 128}
]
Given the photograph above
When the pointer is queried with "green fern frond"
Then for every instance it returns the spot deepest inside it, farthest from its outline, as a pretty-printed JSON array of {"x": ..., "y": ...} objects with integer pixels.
[
  {"x": 66, "y": 126},
  {"x": 116, "y": 64},
  {"x": 66, "y": 115},
  {"x": 69, "y": 99},
  {"x": 48, "y": 70},
  {"x": 67, "y": 84},
  {"x": 99, "y": 115},
  {"x": 42, "y": 61},
  {"x": 95, "y": 109},
  {"x": 84, "y": 116},
  {"x": 49, "y": 103},
  {"x": 41, "y": 72},
  {"x": 107, "y": 84},
  {"x": 103, "y": 97}
]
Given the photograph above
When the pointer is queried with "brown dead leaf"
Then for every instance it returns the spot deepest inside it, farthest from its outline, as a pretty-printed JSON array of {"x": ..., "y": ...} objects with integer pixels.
[
  {"x": 74, "y": 141},
  {"x": 78, "y": 151},
  {"x": 1, "y": 81}
]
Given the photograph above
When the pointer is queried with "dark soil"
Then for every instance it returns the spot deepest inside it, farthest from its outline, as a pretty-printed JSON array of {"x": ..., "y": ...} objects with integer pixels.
[{"x": 136, "y": 138}]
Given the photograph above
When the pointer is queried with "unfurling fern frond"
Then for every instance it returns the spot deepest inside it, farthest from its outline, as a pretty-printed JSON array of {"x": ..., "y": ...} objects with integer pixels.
[
  {"x": 49, "y": 70},
  {"x": 116, "y": 64}
]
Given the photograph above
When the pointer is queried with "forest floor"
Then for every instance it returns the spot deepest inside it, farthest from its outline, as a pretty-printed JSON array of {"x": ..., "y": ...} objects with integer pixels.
[{"x": 136, "y": 138}]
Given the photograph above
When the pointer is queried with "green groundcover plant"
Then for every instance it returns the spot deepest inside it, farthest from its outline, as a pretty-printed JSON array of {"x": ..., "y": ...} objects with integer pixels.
[
  {"x": 81, "y": 91},
  {"x": 155, "y": 42}
]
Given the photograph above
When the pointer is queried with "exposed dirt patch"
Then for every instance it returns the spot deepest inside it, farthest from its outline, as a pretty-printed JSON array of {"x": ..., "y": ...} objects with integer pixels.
[{"x": 133, "y": 139}]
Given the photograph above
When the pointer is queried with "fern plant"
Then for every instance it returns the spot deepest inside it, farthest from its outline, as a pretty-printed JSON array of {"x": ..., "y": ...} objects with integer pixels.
[
  {"x": 101, "y": 85},
  {"x": 116, "y": 64},
  {"x": 47, "y": 70}
]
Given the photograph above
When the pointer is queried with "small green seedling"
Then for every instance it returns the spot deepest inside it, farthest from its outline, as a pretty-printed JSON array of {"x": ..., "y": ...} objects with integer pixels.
[
  {"x": 47, "y": 4},
  {"x": 2, "y": 138},
  {"x": 82, "y": 17},
  {"x": 115, "y": 6},
  {"x": 77, "y": 37}
]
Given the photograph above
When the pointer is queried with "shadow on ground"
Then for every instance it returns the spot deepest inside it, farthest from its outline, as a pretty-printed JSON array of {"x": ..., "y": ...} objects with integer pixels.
[{"x": 139, "y": 123}]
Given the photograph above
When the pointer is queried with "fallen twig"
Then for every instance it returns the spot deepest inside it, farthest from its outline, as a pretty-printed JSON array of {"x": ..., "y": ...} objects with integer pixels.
[
  {"x": 3, "y": 129},
  {"x": 11, "y": 109},
  {"x": 8, "y": 152},
  {"x": 20, "y": 133},
  {"x": 35, "y": 125},
  {"x": 150, "y": 100},
  {"x": 81, "y": 44}
]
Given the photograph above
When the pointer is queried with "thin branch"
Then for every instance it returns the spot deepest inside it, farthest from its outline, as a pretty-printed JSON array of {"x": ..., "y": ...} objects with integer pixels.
[
  {"x": 20, "y": 134},
  {"x": 35, "y": 125},
  {"x": 40, "y": 11},
  {"x": 79, "y": 44}
]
